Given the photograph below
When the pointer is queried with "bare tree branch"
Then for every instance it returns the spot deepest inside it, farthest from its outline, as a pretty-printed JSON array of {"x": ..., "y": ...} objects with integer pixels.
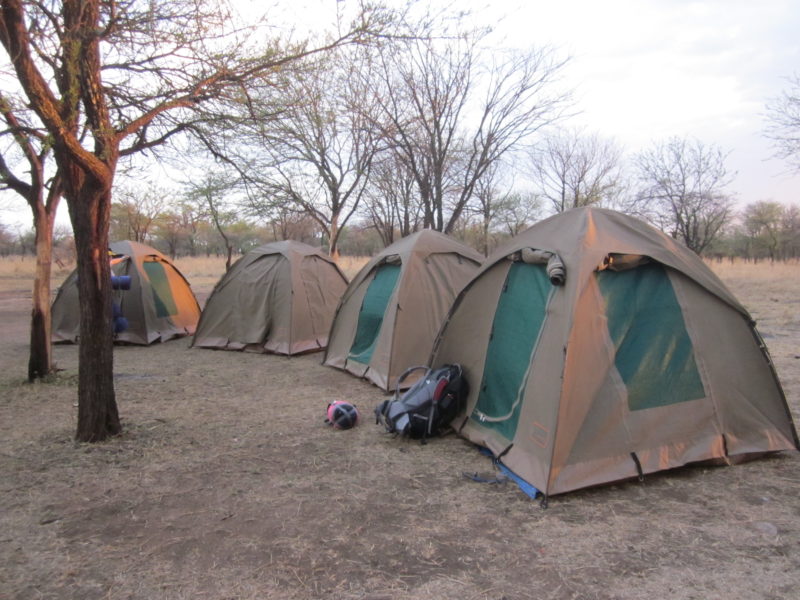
[
  {"x": 783, "y": 114},
  {"x": 683, "y": 190},
  {"x": 574, "y": 170},
  {"x": 449, "y": 115}
]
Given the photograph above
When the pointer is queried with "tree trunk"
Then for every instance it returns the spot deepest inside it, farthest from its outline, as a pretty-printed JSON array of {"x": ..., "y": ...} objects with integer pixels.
[
  {"x": 98, "y": 417},
  {"x": 333, "y": 240},
  {"x": 40, "y": 361},
  {"x": 229, "y": 256}
]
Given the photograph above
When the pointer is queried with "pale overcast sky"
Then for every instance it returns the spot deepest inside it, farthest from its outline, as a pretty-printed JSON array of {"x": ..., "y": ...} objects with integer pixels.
[{"x": 645, "y": 70}]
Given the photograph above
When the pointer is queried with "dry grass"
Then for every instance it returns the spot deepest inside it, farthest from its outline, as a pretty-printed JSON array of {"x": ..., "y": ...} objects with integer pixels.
[
  {"x": 201, "y": 271},
  {"x": 351, "y": 265},
  {"x": 762, "y": 271},
  {"x": 17, "y": 272},
  {"x": 226, "y": 484}
]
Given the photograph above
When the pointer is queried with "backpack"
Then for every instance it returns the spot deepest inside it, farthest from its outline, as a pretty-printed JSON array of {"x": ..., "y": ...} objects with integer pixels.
[{"x": 428, "y": 406}]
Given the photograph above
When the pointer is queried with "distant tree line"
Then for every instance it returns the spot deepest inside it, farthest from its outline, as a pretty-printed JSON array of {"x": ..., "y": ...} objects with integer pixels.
[
  {"x": 679, "y": 185},
  {"x": 762, "y": 230}
]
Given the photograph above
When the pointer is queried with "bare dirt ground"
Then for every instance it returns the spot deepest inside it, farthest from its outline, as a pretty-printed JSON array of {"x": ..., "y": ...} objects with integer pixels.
[{"x": 227, "y": 485}]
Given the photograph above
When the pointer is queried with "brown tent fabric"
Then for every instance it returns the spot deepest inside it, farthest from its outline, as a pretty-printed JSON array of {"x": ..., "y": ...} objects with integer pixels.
[
  {"x": 279, "y": 297},
  {"x": 159, "y": 306},
  {"x": 641, "y": 361},
  {"x": 432, "y": 270}
]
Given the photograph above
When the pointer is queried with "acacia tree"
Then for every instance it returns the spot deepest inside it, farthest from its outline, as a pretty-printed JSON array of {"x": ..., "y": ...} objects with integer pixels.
[
  {"x": 42, "y": 192},
  {"x": 489, "y": 202},
  {"x": 519, "y": 210},
  {"x": 320, "y": 149},
  {"x": 450, "y": 111},
  {"x": 178, "y": 228},
  {"x": 790, "y": 228},
  {"x": 138, "y": 209},
  {"x": 783, "y": 128},
  {"x": 110, "y": 78},
  {"x": 574, "y": 170},
  {"x": 391, "y": 202},
  {"x": 763, "y": 222},
  {"x": 683, "y": 190},
  {"x": 287, "y": 224},
  {"x": 209, "y": 195},
  {"x": 6, "y": 240}
]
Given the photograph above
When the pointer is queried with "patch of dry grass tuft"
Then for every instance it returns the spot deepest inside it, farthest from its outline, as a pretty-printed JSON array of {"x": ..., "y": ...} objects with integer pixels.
[
  {"x": 351, "y": 265},
  {"x": 763, "y": 270},
  {"x": 18, "y": 272},
  {"x": 202, "y": 272}
]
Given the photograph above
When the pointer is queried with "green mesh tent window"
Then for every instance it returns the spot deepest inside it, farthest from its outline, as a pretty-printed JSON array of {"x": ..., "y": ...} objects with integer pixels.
[
  {"x": 162, "y": 292},
  {"x": 373, "y": 307},
  {"x": 518, "y": 320},
  {"x": 654, "y": 353}
]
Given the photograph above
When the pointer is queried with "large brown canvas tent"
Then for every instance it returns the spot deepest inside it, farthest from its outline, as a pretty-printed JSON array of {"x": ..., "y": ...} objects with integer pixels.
[
  {"x": 390, "y": 314},
  {"x": 640, "y": 360},
  {"x": 159, "y": 305},
  {"x": 279, "y": 297}
]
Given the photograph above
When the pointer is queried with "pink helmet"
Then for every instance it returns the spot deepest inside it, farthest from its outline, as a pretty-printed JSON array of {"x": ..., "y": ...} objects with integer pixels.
[{"x": 342, "y": 415}]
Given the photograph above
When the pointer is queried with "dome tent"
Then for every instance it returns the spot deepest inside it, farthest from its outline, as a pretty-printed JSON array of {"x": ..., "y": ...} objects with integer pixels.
[
  {"x": 641, "y": 361},
  {"x": 279, "y": 297},
  {"x": 390, "y": 314},
  {"x": 158, "y": 306}
]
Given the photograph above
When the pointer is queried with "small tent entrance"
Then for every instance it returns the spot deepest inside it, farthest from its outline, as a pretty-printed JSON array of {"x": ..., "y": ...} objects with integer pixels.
[
  {"x": 319, "y": 292},
  {"x": 373, "y": 308},
  {"x": 518, "y": 320},
  {"x": 252, "y": 296},
  {"x": 654, "y": 355},
  {"x": 159, "y": 284}
]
